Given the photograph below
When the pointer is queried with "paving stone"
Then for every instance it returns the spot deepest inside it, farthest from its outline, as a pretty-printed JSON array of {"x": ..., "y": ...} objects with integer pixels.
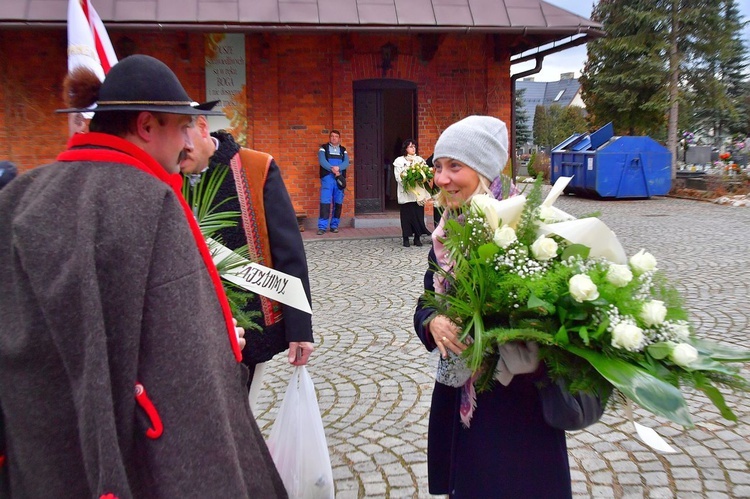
[
  {"x": 599, "y": 491},
  {"x": 655, "y": 479},
  {"x": 660, "y": 493},
  {"x": 384, "y": 458},
  {"x": 739, "y": 478},
  {"x": 341, "y": 473},
  {"x": 624, "y": 466},
  {"x": 688, "y": 486},
  {"x": 633, "y": 493},
  {"x": 601, "y": 477},
  {"x": 736, "y": 464},
  {"x": 629, "y": 478},
  {"x": 679, "y": 473},
  {"x": 371, "y": 477},
  {"x": 715, "y": 485},
  {"x": 401, "y": 492},
  {"x": 375, "y": 489},
  {"x": 400, "y": 480}
]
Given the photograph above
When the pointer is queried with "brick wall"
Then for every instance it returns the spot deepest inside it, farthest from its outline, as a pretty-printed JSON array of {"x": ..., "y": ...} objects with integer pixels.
[{"x": 298, "y": 88}]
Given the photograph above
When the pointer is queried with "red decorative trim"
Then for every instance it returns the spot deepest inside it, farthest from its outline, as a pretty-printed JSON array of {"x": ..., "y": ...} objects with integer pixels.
[
  {"x": 124, "y": 152},
  {"x": 108, "y": 496},
  {"x": 2, "y": 460},
  {"x": 141, "y": 397}
]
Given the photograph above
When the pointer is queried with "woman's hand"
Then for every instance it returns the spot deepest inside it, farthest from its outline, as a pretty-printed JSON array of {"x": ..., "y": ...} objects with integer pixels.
[{"x": 445, "y": 334}]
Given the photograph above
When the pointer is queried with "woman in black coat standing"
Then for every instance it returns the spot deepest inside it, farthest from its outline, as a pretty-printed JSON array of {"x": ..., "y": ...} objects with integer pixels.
[
  {"x": 508, "y": 451},
  {"x": 411, "y": 202}
]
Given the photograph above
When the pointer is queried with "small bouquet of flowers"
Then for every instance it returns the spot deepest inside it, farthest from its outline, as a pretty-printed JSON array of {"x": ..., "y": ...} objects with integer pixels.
[
  {"x": 730, "y": 167},
  {"x": 416, "y": 175},
  {"x": 523, "y": 270}
]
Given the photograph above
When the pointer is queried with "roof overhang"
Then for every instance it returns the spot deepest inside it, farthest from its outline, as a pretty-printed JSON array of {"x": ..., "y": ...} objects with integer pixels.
[{"x": 522, "y": 24}]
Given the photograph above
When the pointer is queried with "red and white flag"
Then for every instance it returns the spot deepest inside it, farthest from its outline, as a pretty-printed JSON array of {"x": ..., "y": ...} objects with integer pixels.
[{"x": 88, "y": 41}]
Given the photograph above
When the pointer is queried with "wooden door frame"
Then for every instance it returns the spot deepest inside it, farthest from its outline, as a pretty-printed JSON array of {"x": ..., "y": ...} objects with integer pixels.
[{"x": 381, "y": 84}]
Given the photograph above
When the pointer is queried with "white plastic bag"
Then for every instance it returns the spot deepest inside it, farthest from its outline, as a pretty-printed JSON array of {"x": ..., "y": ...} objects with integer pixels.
[{"x": 298, "y": 443}]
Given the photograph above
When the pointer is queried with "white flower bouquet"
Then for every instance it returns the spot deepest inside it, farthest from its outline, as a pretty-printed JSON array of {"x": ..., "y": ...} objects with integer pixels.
[
  {"x": 524, "y": 270},
  {"x": 417, "y": 175}
]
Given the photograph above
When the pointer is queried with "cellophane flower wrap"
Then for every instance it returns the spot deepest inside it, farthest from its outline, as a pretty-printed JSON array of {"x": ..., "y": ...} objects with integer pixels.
[
  {"x": 525, "y": 270},
  {"x": 416, "y": 175}
]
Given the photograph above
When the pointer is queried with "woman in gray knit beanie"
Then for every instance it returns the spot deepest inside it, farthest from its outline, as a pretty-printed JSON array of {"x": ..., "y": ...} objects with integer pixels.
[
  {"x": 478, "y": 142},
  {"x": 508, "y": 451}
]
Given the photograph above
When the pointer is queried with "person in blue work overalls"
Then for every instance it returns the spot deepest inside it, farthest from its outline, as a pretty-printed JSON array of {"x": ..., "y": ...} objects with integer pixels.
[{"x": 334, "y": 161}]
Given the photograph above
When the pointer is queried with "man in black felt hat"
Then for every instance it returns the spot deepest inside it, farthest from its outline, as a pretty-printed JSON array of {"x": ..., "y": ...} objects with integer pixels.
[{"x": 120, "y": 372}]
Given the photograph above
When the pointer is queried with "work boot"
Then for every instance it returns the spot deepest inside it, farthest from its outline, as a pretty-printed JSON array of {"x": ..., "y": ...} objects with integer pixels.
[
  {"x": 335, "y": 230},
  {"x": 321, "y": 232}
]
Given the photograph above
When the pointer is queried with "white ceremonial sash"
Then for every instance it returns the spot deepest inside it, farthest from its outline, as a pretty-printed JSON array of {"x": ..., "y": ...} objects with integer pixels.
[{"x": 265, "y": 281}]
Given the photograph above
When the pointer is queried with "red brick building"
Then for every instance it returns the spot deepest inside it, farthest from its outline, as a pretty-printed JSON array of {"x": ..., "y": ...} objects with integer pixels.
[{"x": 378, "y": 71}]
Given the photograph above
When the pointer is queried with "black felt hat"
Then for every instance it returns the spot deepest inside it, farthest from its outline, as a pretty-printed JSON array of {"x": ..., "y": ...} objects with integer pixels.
[
  {"x": 8, "y": 172},
  {"x": 143, "y": 83}
]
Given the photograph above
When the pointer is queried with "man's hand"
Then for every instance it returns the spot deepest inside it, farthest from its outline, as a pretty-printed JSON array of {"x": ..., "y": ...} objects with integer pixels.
[
  {"x": 240, "y": 332},
  {"x": 299, "y": 352},
  {"x": 336, "y": 170}
]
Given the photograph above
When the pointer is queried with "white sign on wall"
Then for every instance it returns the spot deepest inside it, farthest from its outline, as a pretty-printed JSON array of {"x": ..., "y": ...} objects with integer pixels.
[{"x": 226, "y": 80}]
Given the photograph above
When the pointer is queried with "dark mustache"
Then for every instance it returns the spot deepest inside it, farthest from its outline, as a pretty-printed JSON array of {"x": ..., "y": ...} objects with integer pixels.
[{"x": 182, "y": 157}]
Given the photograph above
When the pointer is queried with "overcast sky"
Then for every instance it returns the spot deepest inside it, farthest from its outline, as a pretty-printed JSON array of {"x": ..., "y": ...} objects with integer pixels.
[{"x": 573, "y": 59}]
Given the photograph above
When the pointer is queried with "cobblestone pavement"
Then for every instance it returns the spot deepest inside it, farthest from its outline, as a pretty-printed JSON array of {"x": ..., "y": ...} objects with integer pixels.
[{"x": 374, "y": 379}]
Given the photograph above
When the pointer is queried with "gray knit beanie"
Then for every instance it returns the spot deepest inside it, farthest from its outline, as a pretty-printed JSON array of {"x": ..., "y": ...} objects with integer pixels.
[{"x": 481, "y": 142}]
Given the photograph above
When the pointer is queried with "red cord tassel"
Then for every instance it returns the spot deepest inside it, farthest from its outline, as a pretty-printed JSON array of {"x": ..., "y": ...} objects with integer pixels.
[{"x": 141, "y": 397}]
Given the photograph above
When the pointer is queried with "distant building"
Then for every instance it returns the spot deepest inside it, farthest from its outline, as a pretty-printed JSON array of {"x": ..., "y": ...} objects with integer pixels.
[{"x": 565, "y": 92}]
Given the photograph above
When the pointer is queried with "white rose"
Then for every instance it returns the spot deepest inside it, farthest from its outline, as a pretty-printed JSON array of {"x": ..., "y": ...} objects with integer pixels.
[
  {"x": 485, "y": 204},
  {"x": 653, "y": 312},
  {"x": 544, "y": 248},
  {"x": 627, "y": 336},
  {"x": 582, "y": 288},
  {"x": 504, "y": 236},
  {"x": 681, "y": 331},
  {"x": 643, "y": 262},
  {"x": 619, "y": 275},
  {"x": 684, "y": 354},
  {"x": 547, "y": 213}
]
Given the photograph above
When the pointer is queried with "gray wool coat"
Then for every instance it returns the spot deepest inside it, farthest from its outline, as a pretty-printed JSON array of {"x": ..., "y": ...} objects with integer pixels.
[{"x": 102, "y": 287}]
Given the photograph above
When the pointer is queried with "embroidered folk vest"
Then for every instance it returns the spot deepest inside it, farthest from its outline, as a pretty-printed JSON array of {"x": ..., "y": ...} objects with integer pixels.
[{"x": 250, "y": 170}]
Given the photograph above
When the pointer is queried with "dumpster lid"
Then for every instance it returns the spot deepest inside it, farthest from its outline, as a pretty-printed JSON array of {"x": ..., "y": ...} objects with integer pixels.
[
  {"x": 602, "y": 135},
  {"x": 573, "y": 139},
  {"x": 582, "y": 145}
]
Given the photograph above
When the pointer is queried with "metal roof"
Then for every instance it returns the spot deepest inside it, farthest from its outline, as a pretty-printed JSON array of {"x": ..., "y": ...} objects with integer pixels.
[
  {"x": 525, "y": 17},
  {"x": 541, "y": 93}
]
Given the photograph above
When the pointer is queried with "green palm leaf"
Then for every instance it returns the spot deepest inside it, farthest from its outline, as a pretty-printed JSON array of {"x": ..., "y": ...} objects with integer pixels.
[
  {"x": 201, "y": 197},
  {"x": 721, "y": 352},
  {"x": 651, "y": 393}
]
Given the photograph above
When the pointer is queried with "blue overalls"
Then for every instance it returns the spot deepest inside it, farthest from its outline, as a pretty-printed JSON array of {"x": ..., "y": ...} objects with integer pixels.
[{"x": 328, "y": 157}]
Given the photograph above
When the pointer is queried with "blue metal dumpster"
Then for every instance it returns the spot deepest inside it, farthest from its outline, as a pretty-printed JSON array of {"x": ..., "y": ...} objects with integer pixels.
[{"x": 606, "y": 166}]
